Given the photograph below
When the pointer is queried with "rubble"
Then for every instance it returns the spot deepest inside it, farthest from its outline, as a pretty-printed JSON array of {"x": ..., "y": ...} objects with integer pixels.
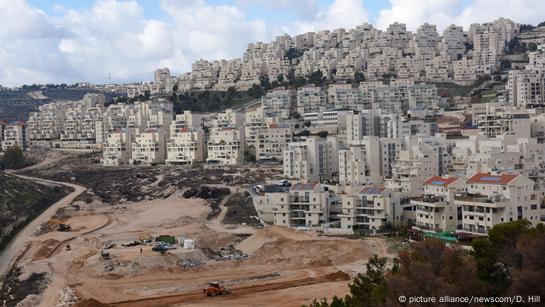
[{"x": 67, "y": 297}]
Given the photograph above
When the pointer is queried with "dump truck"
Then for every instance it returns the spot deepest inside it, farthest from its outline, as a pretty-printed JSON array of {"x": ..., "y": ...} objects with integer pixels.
[{"x": 214, "y": 288}]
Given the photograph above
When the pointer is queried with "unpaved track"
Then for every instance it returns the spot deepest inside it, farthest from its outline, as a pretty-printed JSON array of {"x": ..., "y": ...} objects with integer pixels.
[
  {"x": 168, "y": 300},
  {"x": 11, "y": 252}
]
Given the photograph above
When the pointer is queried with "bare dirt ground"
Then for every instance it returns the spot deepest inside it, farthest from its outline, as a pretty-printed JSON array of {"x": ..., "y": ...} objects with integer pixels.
[{"x": 284, "y": 267}]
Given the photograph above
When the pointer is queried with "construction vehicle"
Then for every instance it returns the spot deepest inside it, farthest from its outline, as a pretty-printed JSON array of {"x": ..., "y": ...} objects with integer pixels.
[
  {"x": 104, "y": 255},
  {"x": 214, "y": 288},
  {"x": 64, "y": 227}
]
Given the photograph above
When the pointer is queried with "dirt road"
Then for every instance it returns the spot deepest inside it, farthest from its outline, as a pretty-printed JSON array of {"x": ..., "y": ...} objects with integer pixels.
[
  {"x": 237, "y": 291},
  {"x": 17, "y": 244}
]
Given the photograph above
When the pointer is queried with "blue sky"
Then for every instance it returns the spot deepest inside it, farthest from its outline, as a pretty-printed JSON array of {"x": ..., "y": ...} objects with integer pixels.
[
  {"x": 152, "y": 8},
  {"x": 85, "y": 40}
]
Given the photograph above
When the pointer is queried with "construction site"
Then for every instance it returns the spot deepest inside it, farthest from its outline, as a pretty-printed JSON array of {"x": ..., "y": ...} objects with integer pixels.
[{"x": 176, "y": 243}]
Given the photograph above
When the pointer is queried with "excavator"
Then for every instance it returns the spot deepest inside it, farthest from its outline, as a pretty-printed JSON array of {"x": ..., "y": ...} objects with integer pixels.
[{"x": 214, "y": 288}]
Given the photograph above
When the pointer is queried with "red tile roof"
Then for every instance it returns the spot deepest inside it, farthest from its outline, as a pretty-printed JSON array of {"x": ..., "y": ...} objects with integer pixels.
[
  {"x": 487, "y": 178},
  {"x": 440, "y": 181}
]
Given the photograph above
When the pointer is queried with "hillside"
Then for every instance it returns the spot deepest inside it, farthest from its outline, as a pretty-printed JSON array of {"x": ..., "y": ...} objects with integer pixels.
[
  {"x": 17, "y": 104},
  {"x": 21, "y": 201}
]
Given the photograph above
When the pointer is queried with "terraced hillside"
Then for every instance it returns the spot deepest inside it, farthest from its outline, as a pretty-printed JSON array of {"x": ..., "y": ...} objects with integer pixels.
[{"x": 21, "y": 201}]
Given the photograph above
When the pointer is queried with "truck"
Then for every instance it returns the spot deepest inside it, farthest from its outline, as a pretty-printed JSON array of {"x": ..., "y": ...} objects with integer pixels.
[{"x": 214, "y": 288}]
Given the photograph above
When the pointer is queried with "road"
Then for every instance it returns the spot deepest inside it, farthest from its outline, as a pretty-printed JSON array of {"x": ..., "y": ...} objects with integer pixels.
[{"x": 10, "y": 253}]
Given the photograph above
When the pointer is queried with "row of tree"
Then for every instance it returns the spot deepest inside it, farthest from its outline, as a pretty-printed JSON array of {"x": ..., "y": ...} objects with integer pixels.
[{"x": 509, "y": 262}]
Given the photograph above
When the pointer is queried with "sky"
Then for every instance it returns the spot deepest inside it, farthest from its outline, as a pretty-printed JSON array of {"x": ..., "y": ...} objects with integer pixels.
[{"x": 67, "y": 41}]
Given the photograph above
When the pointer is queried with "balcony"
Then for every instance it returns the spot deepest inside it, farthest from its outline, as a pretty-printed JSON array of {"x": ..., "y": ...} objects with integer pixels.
[
  {"x": 476, "y": 198},
  {"x": 431, "y": 199},
  {"x": 298, "y": 199}
]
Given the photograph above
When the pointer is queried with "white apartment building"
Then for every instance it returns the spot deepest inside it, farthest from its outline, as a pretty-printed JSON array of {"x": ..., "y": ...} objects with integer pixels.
[
  {"x": 421, "y": 159},
  {"x": 344, "y": 96},
  {"x": 187, "y": 119},
  {"x": 362, "y": 123},
  {"x": 464, "y": 70},
  {"x": 185, "y": 146},
  {"x": 278, "y": 101},
  {"x": 117, "y": 148},
  {"x": 359, "y": 163},
  {"x": 15, "y": 134},
  {"x": 310, "y": 99},
  {"x": 493, "y": 198},
  {"x": 435, "y": 210},
  {"x": 148, "y": 147},
  {"x": 272, "y": 141},
  {"x": 305, "y": 205},
  {"x": 370, "y": 209},
  {"x": 226, "y": 146},
  {"x": 332, "y": 121},
  {"x": 228, "y": 118},
  {"x": 526, "y": 88},
  {"x": 509, "y": 121},
  {"x": 311, "y": 160}
]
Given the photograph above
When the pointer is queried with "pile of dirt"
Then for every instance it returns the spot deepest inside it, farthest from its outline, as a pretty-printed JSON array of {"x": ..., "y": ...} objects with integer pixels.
[
  {"x": 46, "y": 248},
  {"x": 241, "y": 210},
  {"x": 272, "y": 234},
  {"x": 338, "y": 276},
  {"x": 282, "y": 245}
]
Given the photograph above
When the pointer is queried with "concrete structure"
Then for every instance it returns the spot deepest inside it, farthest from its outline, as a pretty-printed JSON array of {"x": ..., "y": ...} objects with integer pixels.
[
  {"x": 226, "y": 146},
  {"x": 496, "y": 198},
  {"x": 370, "y": 209}
]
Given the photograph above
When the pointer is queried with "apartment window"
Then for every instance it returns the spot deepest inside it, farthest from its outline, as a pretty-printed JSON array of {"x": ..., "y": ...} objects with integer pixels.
[{"x": 534, "y": 207}]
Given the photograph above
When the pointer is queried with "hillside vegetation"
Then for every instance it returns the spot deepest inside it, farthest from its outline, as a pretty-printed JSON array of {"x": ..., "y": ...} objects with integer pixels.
[{"x": 21, "y": 201}]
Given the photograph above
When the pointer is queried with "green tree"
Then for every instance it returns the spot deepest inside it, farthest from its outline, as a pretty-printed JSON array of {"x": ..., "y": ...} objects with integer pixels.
[
  {"x": 358, "y": 77},
  {"x": 367, "y": 290},
  {"x": 13, "y": 157},
  {"x": 249, "y": 156},
  {"x": 322, "y": 134},
  {"x": 317, "y": 78},
  {"x": 498, "y": 254}
]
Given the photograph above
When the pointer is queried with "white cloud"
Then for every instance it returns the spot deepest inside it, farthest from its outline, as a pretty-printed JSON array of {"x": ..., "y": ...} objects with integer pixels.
[
  {"x": 527, "y": 11},
  {"x": 416, "y": 12},
  {"x": 19, "y": 20},
  {"x": 445, "y": 12},
  {"x": 211, "y": 32},
  {"x": 340, "y": 14}
]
